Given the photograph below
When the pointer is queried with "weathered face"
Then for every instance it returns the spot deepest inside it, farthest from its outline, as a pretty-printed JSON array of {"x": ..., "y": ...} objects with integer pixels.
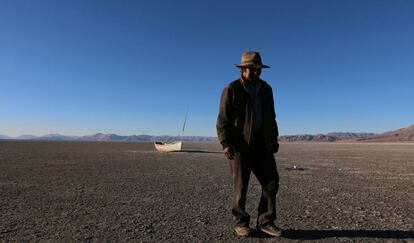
[{"x": 251, "y": 74}]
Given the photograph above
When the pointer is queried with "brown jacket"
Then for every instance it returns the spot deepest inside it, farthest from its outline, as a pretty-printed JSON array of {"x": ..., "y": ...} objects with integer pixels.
[{"x": 234, "y": 121}]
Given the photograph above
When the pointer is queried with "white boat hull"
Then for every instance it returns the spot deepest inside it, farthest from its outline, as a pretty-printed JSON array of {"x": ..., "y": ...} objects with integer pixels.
[{"x": 168, "y": 147}]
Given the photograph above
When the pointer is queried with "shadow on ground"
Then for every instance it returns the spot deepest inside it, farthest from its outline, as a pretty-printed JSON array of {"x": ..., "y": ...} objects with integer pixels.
[
  {"x": 320, "y": 234},
  {"x": 254, "y": 233},
  {"x": 198, "y": 151}
]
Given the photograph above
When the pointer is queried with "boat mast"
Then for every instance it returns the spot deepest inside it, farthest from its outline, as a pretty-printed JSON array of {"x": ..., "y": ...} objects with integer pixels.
[{"x": 185, "y": 121}]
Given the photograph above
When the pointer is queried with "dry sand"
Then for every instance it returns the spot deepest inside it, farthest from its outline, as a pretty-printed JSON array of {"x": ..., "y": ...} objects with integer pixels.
[{"x": 101, "y": 191}]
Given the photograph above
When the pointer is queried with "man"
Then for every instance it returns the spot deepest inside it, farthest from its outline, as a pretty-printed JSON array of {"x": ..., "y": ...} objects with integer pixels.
[{"x": 247, "y": 130}]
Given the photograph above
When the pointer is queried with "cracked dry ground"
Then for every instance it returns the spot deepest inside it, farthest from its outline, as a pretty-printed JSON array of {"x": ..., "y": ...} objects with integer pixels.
[{"x": 118, "y": 191}]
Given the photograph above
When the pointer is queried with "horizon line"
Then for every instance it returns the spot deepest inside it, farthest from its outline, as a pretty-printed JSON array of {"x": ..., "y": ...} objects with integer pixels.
[{"x": 165, "y": 135}]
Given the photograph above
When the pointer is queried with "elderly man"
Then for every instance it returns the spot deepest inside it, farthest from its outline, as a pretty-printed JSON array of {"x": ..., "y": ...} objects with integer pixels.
[{"x": 247, "y": 130}]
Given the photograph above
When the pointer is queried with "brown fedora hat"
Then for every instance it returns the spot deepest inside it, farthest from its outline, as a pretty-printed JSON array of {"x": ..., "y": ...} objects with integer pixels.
[{"x": 251, "y": 59}]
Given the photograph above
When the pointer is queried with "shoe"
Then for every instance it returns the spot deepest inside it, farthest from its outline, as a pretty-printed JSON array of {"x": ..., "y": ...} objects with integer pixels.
[
  {"x": 242, "y": 231},
  {"x": 270, "y": 229}
]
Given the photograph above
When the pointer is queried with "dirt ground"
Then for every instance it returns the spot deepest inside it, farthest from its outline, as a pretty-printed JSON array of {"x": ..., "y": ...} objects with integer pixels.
[{"x": 118, "y": 191}]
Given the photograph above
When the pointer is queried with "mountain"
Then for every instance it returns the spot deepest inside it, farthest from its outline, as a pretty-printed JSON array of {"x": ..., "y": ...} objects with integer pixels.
[
  {"x": 101, "y": 137},
  {"x": 349, "y": 135},
  {"x": 26, "y": 137},
  {"x": 5, "y": 137},
  {"x": 110, "y": 137},
  {"x": 141, "y": 138},
  {"x": 330, "y": 137},
  {"x": 55, "y": 137},
  {"x": 306, "y": 137},
  {"x": 400, "y": 135}
]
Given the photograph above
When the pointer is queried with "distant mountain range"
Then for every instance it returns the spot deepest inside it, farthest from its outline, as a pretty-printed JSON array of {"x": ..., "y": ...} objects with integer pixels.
[
  {"x": 400, "y": 135},
  {"x": 5, "y": 137},
  {"x": 108, "y": 137},
  {"x": 330, "y": 137}
]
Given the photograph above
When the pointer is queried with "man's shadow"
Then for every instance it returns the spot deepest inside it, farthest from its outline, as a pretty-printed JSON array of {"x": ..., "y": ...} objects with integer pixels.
[
  {"x": 197, "y": 151},
  {"x": 321, "y": 234}
]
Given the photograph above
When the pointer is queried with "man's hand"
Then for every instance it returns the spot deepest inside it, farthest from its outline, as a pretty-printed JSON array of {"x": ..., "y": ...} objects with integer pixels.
[{"x": 228, "y": 152}]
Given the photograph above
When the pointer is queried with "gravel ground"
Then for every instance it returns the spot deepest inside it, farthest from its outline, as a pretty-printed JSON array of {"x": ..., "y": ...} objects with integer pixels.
[{"x": 118, "y": 191}]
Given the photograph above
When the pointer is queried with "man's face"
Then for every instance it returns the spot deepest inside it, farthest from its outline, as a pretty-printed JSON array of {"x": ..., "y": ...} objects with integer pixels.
[{"x": 252, "y": 74}]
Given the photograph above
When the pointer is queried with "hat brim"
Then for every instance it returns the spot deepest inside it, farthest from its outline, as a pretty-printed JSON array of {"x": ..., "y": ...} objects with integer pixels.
[{"x": 251, "y": 66}]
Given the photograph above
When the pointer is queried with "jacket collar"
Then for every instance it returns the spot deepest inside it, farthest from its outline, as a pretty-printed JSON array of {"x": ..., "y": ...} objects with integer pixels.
[{"x": 260, "y": 83}]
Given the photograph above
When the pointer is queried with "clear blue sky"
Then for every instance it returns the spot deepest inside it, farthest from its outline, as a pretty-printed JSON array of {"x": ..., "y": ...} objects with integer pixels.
[{"x": 135, "y": 67}]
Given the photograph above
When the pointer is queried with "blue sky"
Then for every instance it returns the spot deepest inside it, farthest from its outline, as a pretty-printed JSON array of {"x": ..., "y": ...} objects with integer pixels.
[{"x": 135, "y": 67}]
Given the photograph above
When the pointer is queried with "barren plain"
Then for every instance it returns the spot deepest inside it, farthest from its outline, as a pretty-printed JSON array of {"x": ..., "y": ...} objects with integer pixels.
[{"x": 127, "y": 191}]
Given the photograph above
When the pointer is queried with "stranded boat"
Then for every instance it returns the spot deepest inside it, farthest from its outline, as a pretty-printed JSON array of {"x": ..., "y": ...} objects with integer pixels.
[{"x": 170, "y": 146}]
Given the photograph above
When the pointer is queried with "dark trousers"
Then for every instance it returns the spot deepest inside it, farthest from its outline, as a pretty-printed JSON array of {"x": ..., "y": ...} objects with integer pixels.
[{"x": 261, "y": 162}]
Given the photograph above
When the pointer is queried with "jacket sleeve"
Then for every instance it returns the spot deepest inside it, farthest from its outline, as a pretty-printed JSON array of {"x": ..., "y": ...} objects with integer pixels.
[
  {"x": 275, "y": 129},
  {"x": 225, "y": 118}
]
